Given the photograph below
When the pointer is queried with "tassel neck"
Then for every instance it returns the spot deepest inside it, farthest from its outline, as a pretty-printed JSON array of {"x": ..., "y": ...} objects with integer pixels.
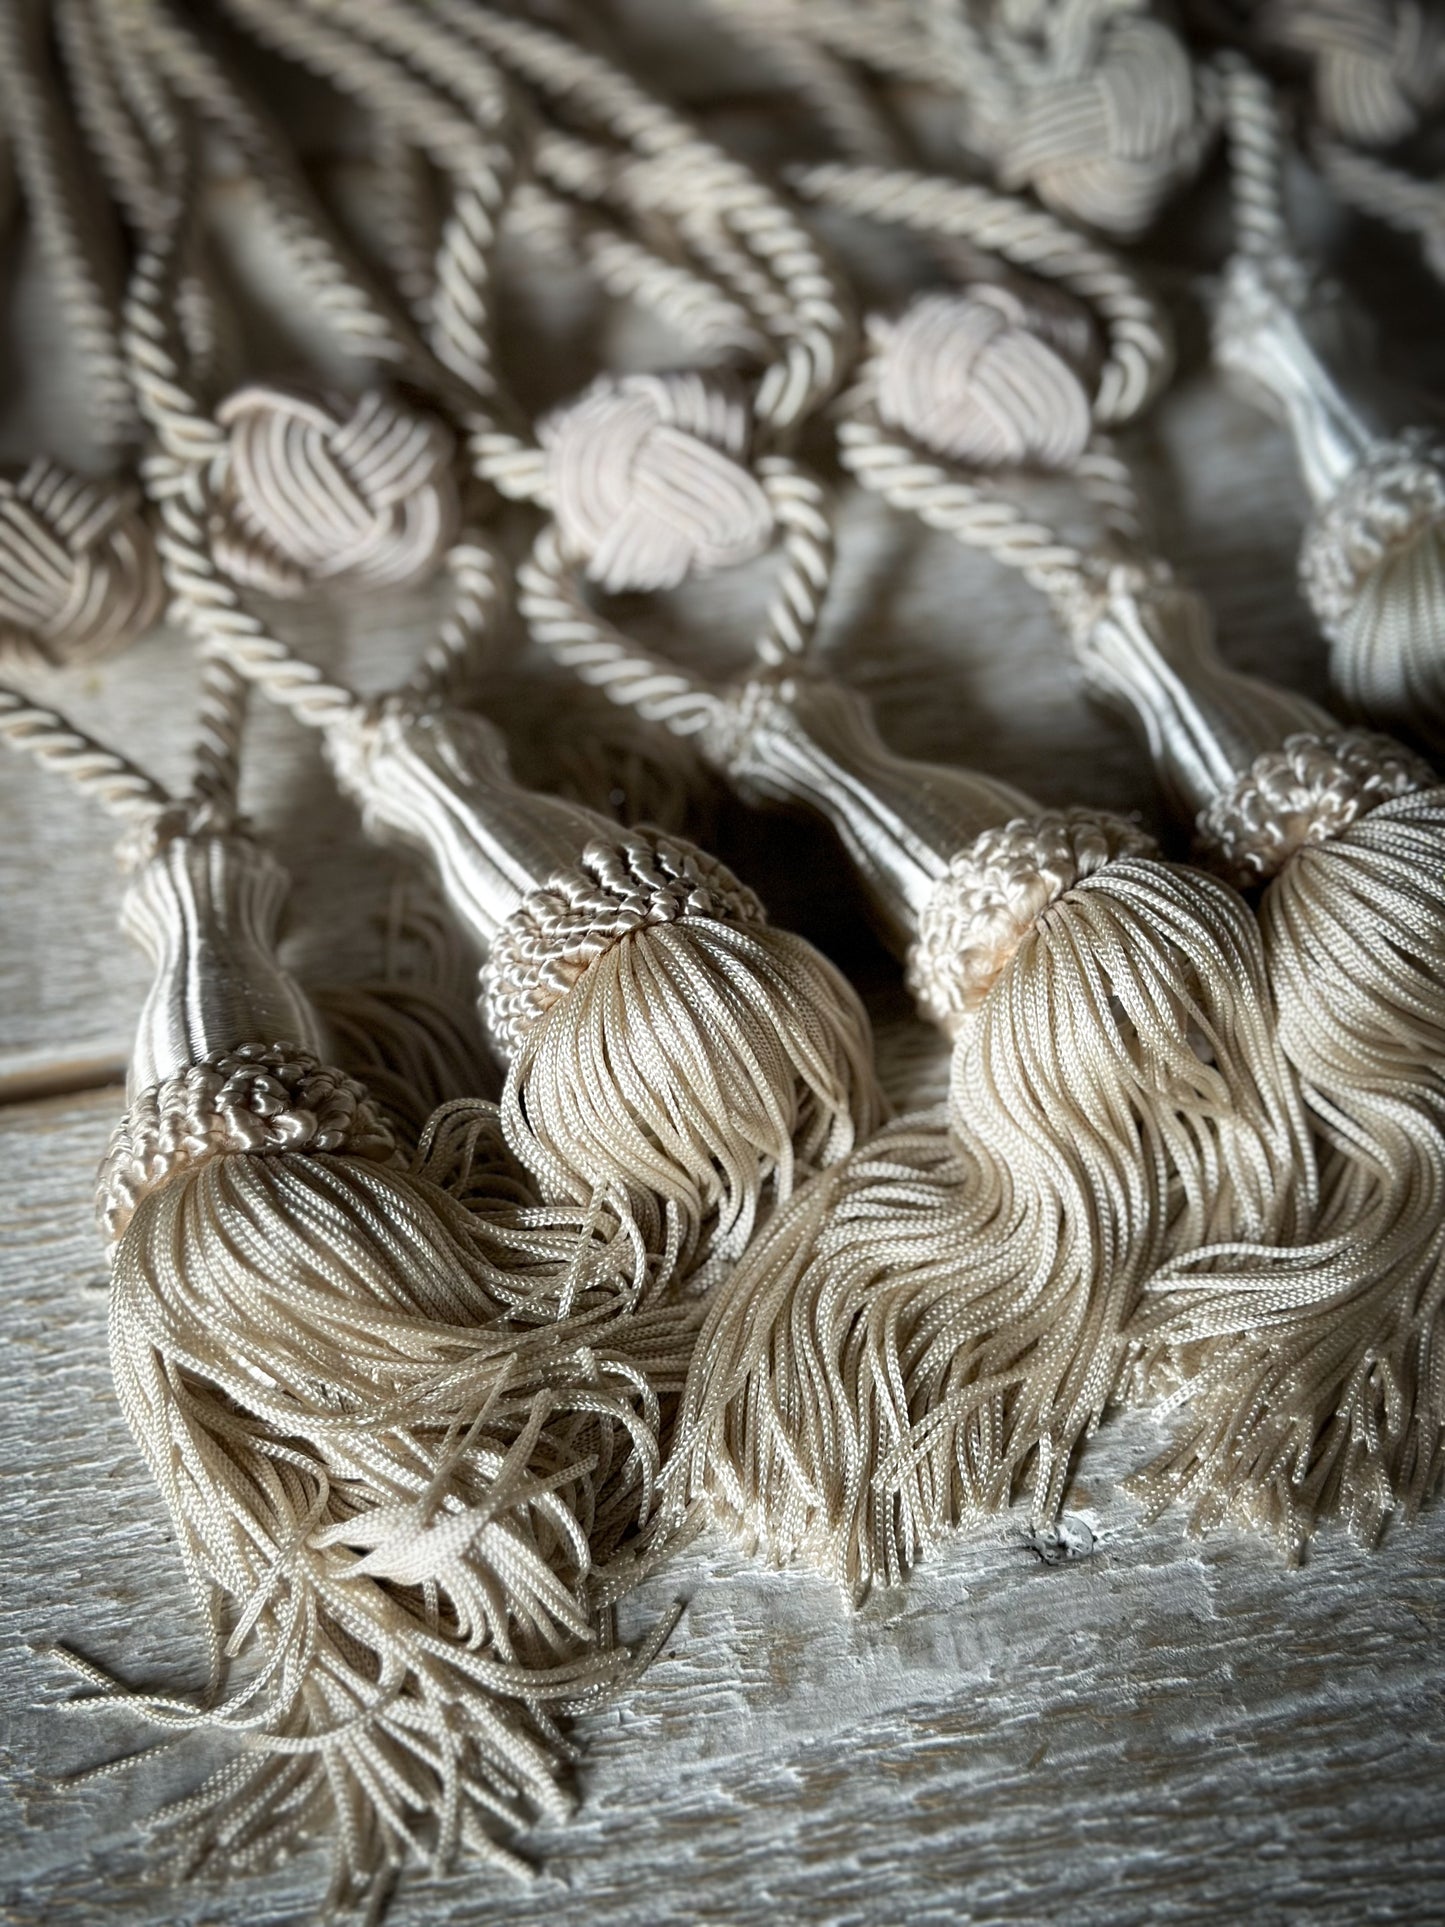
[
  {"x": 813, "y": 744},
  {"x": 205, "y": 906},
  {"x": 1146, "y": 646},
  {"x": 1259, "y": 335},
  {"x": 437, "y": 781}
]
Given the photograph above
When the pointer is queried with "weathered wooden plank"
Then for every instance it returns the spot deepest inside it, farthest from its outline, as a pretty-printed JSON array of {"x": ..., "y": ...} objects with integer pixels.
[{"x": 1156, "y": 1730}]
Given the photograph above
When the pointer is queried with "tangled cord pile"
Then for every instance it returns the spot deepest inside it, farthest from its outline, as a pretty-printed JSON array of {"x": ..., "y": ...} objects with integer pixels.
[{"x": 446, "y": 1306}]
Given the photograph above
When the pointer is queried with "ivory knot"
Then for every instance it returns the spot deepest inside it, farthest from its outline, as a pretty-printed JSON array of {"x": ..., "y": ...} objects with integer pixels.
[
  {"x": 613, "y": 891},
  {"x": 649, "y": 479},
  {"x": 1308, "y": 791},
  {"x": 1376, "y": 65},
  {"x": 354, "y": 494},
  {"x": 1105, "y": 122},
  {"x": 79, "y": 575},
  {"x": 258, "y": 1099},
  {"x": 987, "y": 378},
  {"x": 992, "y": 895},
  {"x": 1395, "y": 496}
]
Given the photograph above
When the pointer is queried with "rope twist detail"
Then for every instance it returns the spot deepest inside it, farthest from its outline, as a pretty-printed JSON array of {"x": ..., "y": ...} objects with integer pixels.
[
  {"x": 1392, "y": 499},
  {"x": 992, "y": 895}
]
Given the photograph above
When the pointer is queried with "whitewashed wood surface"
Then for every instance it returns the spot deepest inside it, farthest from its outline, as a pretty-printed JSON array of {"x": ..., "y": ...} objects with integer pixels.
[{"x": 1147, "y": 1730}]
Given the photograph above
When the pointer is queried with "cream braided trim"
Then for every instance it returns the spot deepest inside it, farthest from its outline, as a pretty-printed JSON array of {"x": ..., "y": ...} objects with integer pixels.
[
  {"x": 1395, "y": 496},
  {"x": 995, "y": 891},
  {"x": 258, "y": 1098},
  {"x": 614, "y": 889},
  {"x": 1307, "y": 791}
]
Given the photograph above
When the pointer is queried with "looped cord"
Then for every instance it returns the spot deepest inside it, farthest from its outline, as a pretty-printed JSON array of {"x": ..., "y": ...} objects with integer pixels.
[
  {"x": 1102, "y": 118},
  {"x": 357, "y": 493},
  {"x": 553, "y": 936},
  {"x": 1306, "y": 792},
  {"x": 1376, "y": 65},
  {"x": 649, "y": 479},
  {"x": 1393, "y": 498},
  {"x": 259, "y": 1098},
  {"x": 79, "y": 575},
  {"x": 1137, "y": 345},
  {"x": 992, "y": 895},
  {"x": 986, "y": 378}
]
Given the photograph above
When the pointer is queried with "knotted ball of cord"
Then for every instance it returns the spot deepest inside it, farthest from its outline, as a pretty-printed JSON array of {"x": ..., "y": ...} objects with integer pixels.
[
  {"x": 984, "y": 377},
  {"x": 1375, "y": 66},
  {"x": 1005, "y": 369},
  {"x": 650, "y": 481},
  {"x": 1091, "y": 103},
  {"x": 320, "y": 492},
  {"x": 1372, "y": 562},
  {"x": 79, "y": 577}
]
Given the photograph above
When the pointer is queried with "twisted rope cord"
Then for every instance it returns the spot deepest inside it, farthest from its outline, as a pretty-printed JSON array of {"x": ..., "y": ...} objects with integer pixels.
[
  {"x": 478, "y": 583},
  {"x": 883, "y": 36},
  {"x": 405, "y": 218},
  {"x": 1139, "y": 358},
  {"x": 546, "y": 214},
  {"x": 1256, "y": 156},
  {"x": 75, "y": 244},
  {"x": 115, "y": 782},
  {"x": 118, "y": 99},
  {"x": 1386, "y": 193},
  {"x": 480, "y": 167},
  {"x": 944, "y": 499},
  {"x": 368, "y": 327},
  {"x": 558, "y": 615},
  {"x": 220, "y": 722},
  {"x": 705, "y": 186},
  {"x": 87, "y": 44},
  {"x": 189, "y": 446},
  {"x": 475, "y": 117},
  {"x": 843, "y": 106}
]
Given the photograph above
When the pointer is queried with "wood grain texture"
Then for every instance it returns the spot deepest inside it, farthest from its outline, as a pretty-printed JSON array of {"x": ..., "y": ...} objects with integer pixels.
[{"x": 1149, "y": 1730}]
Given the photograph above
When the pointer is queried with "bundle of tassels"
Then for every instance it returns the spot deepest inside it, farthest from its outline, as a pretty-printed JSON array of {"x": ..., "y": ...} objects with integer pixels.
[
  {"x": 419, "y": 1375},
  {"x": 1314, "y": 1385},
  {"x": 400, "y": 1424},
  {"x": 1118, "y": 1094}
]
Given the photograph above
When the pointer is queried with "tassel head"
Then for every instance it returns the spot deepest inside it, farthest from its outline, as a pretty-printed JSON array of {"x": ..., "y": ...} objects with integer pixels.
[
  {"x": 669, "y": 1050},
  {"x": 1372, "y": 568},
  {"x": 994, "y": 893},
  {"x": 1305, "y": 793}
]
